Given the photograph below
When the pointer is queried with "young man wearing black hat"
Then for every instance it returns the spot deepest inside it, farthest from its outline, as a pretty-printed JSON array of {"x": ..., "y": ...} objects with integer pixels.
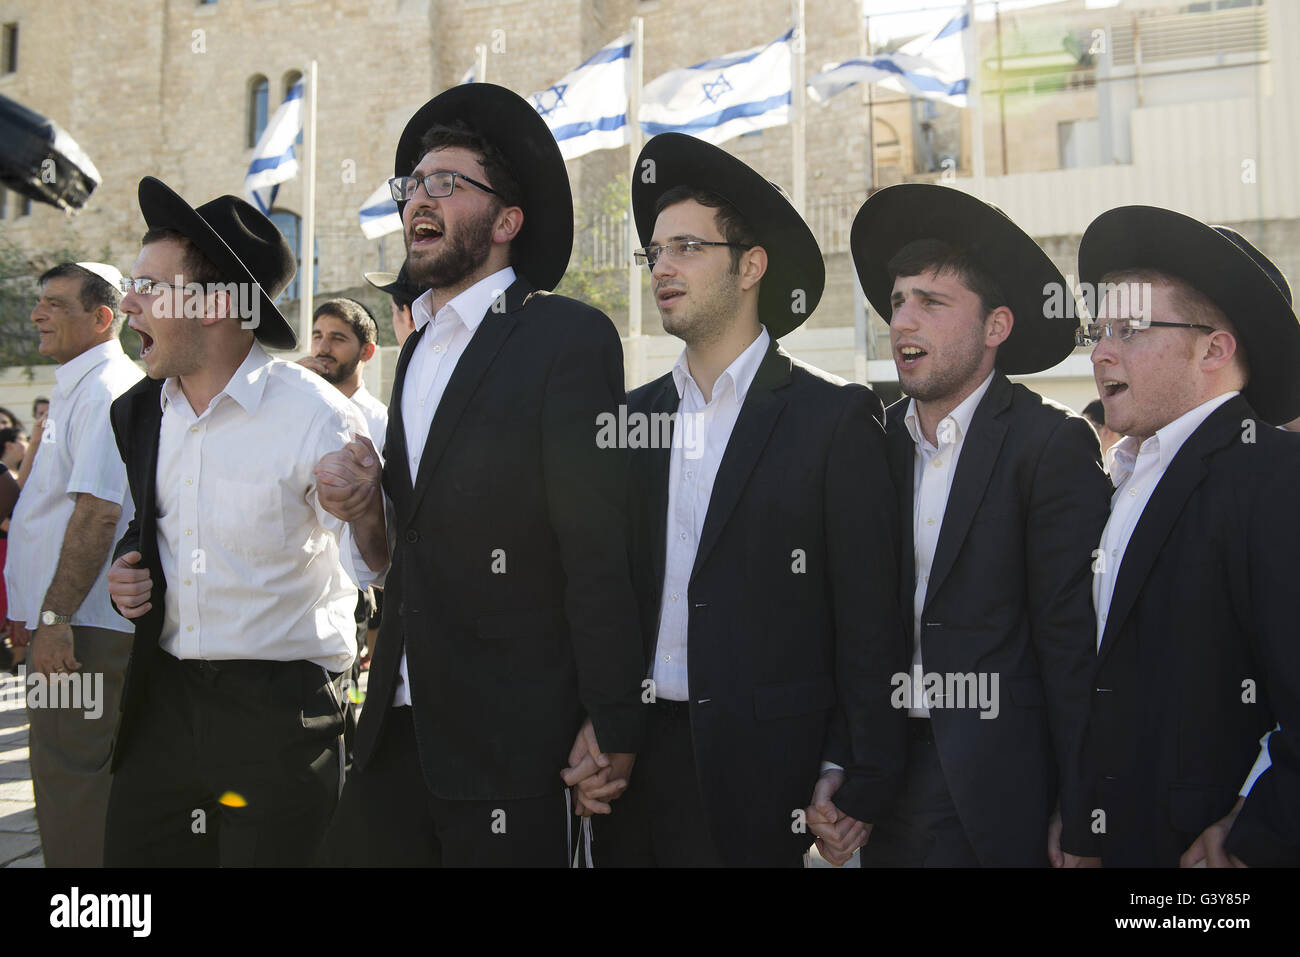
[
  {"x": 240, "y": 584},
  {"x": 764, "y": 540},
  {"x": 1197, "y": 657},
  {"x": 509, "y": 612},
  {"x": 1003, "y": 499}
]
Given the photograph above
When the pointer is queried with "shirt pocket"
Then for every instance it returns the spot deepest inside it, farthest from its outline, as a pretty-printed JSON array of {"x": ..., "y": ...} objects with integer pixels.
[{"x": 245, "y": 519}]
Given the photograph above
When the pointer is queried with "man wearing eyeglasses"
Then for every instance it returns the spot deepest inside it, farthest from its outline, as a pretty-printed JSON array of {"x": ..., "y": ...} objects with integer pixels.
[
  {"x": 1197, "y": 658},
  {"x": 62, "y": 530},
  {"x": 510, "y": 624},
  {"x": 764, "y": 545}
]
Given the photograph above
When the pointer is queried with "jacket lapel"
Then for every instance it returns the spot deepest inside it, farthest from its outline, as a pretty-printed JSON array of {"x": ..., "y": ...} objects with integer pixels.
[
  {"x": 902, "y": 466},
  {"x": 1185, "y": 473},
  {"x": 757, "y": 416},
  {"x": 397, "y": 478},
  {"x": 979, "y": 455},
  {"x": 473, "y": 364}
]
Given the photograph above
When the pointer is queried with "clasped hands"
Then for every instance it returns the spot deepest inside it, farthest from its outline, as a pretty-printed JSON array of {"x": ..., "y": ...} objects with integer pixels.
[{"x": 596, "y": 778}]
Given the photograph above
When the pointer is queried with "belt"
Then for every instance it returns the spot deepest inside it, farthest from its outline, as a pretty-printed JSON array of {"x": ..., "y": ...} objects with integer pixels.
[{"x": 674, "y": 710}]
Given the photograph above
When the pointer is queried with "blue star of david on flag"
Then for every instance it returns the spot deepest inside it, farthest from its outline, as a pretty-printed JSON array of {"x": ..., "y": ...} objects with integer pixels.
[
  {"x": 715, "y": 89},
  {"x": 539, "y": 99}
]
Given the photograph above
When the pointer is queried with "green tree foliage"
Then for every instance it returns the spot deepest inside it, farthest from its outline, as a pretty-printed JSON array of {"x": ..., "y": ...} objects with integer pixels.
[{"x": 594, "y": 275}]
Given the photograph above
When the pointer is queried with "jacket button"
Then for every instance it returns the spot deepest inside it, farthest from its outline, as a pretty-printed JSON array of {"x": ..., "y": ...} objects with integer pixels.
[{"x": 412, "y": 536}]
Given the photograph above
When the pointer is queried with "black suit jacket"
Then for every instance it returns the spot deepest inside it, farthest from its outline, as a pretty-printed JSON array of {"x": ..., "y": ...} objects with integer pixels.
[
  {"x": 1010, "y": 596},
  {"x": 136, "y": 416},
  {"x": 509, "y": 585},
  {"x": 1201, "y": 655},
  {"x": 793, "y": 633}
]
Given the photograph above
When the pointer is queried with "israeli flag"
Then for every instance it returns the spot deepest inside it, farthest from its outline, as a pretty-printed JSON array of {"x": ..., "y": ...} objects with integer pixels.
[
  {"x": 379, "y": 215},
  {"x": 932, "y": 66},
  {"x": 469, "y": 75},
  {"x": 587, "y": 109},
  {"x": 722, "y": 98},
  {"x": 274, "y": 160}
]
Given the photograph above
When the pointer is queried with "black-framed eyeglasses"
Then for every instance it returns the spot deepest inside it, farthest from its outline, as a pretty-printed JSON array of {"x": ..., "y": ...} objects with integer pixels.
[
  {"x": 677, "y": 249},
  {"x": 437, "y": 184},
  {"x": 1091, "y": 333}
]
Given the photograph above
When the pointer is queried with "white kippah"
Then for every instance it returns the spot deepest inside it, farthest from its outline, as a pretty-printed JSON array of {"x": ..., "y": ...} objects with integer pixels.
[{"x": 105, "y": 272}]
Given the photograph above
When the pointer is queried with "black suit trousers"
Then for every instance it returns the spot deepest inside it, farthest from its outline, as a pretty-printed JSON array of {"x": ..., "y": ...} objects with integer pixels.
[{"x": 233, "y": 764}]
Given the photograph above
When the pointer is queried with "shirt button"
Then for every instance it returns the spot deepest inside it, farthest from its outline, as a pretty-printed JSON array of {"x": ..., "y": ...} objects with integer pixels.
[
  {"x": 189, "y": 531},
  {"x": 188, "y": 582},
  {"x": 675, "y": 596},
  {"x": 927, "y": 579},
  {"x": 194, "y": 428},
  {"x": 938, "y": 463},
  {"x": 929, "y": 521},
  {"x": 437, "y": 348},
  {"x": 668, "y": 657},
  {"x": 189, "y": 481},
  {"x": 690, "y": 475},
  {"x": 1132, "y": 492},
  {"x": 189, "y": 627},
  {"x": 412, "y": 536}
]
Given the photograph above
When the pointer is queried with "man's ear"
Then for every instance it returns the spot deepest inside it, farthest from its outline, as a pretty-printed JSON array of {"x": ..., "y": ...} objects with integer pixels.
[
  {"x": 103, "y": 319},
  {"x": 753, "y": 266},
  {"x": 367, "y": 352},
  {"x": 998, "y": 325},
  {"x": 508, "y": 223},
  {"x": 1220, "y": 349},
  {"x": 217, "y": 306}
]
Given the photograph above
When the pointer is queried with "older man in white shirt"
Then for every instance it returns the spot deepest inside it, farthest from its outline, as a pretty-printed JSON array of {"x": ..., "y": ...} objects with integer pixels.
[
  {"x": 74, "y": 505},
  {"x": 241, "y": 585}
]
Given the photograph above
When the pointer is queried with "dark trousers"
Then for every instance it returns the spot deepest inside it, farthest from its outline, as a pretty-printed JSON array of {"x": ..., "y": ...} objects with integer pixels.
[
  {"x": 230, "y": 763},
  {"x": 923, "y": 829},
  {"x": 387, "y": 817},
  {"x": 660, "y": 820}
]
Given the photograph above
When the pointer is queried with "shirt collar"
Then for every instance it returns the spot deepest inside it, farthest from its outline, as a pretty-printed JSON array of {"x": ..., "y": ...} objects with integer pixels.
[
  {"x": 740, "y": 374},
  {"x": 1123, "y": 455},
  {"x": 246, "y": 386},
  {"x": 69, "y": 373},
  {"x": 471, "y": 305},
  {"x": 960, "y": 416}
]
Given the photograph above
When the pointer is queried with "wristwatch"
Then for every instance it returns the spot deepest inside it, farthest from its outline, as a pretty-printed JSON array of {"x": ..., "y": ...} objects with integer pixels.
[{"x": 49, "y": 618}]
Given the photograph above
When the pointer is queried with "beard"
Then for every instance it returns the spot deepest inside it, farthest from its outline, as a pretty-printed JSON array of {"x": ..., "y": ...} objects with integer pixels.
[
  {"x": 341, "y": 371},
  {"x": 464, "y": 252}
]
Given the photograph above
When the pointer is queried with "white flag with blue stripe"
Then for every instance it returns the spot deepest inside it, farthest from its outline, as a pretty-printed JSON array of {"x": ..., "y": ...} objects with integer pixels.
[
  {"x": 274, "y": 160},
  {"x": 723, "y": 97},
  {"x": 587, "y": 109},
  {"x": 932, "y": 66},
  {"x": 379, "y": 215}
]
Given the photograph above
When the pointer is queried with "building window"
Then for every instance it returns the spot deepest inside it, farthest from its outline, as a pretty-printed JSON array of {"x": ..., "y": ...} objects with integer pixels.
[
  {"x": 290, "y": 226},
  {"x": 9, "y": 50},
  {"x": 4, "y": 202},
  {"x": 27, "y": 206},
  {"x": 290, "y": 78},
  {"x": 258, "y": 90}
]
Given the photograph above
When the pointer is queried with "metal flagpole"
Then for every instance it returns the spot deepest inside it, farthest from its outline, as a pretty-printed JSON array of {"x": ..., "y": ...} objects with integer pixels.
[
  {"x": 636, "y": 343},
  {"x": 973, "y": 96},
  {"x": 861, "y": 319},
  {"x": 797, "y": 99},
  {"x": 306, "y": 240},
  {"x": 480, "y": 64}
]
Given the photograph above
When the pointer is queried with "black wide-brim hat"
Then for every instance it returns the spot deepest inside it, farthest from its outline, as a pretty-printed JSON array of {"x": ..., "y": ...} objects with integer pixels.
[
  {"x": 897, "y": 215},
  {"x": 395, "y": 284},
  {"x": 541, "y": 250},
  {"x": 796, "y": 274},
  {"x": 242, "y": 243},
  {"x": 1234, "y": 275}
]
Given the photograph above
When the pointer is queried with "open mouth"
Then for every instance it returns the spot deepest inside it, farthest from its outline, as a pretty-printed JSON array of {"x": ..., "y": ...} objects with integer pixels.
[
  {"x": 424, "y": 232},
  {"x": 1111, "y": 388},
  {"x": 908, "y": 355},
  {"x": 146, "y": 343},
  {"x": 665, "y": 296}
]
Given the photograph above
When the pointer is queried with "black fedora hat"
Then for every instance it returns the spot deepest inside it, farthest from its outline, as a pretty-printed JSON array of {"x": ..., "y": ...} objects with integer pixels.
[
  {"x": 796, "y": 273},
  {"x": 897, "y": 215},
  {"x": 242, "y": 243},
  {"x": 510, "y": 123},
  {"x": 1229, "y": 271},
  {"x": 395, "y": 284}
]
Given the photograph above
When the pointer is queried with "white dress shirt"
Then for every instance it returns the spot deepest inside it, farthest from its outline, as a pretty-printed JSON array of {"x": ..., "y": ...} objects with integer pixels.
[
  {"x": 690, "y": 486},
  {"x": 427, "y": 374},
  {"x": 255, "y": 567},
  {"x": 1136, "y": 468},
  {"x": 376, "y": 415},
  {"x": 932, "y": 476},
  {"x": 77, "y": 455}
]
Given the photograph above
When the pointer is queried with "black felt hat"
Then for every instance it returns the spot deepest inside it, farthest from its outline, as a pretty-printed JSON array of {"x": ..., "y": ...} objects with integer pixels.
[
  {"x": 897, "y": 215},
  {"x": 542, "y": 248},
  {"x": 395, "y": 284},
  {"x": 796, "y": 273},
  {"x": 1234, "y": 275},
  {"x": 239, "y": 240}
]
